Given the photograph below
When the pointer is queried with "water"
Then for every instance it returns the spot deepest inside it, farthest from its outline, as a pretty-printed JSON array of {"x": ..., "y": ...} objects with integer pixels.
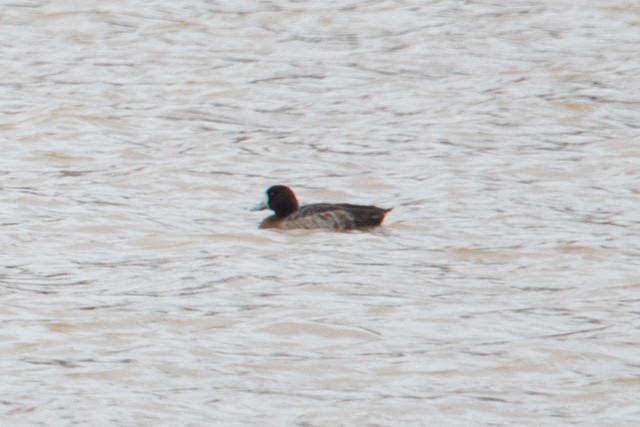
[{"x": 137, "y": 290}]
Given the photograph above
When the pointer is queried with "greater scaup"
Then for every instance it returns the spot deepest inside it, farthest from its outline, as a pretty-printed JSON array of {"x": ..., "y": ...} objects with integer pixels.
[{"x": 339, "y": 216}]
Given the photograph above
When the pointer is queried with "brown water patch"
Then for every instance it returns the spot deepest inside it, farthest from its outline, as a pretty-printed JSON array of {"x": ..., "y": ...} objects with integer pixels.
[
  {"x": 473, "y": 254},
  {"x": 578, "y": 107},
  {"x": 296, "y": 328},
  {"x": 630, "y": 381},
  {"x": 581, "y": 250}
]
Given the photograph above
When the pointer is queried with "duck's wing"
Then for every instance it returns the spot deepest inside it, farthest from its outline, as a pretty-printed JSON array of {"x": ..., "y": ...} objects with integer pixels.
[
  {"x": 364, "y": 216},
  {"x": 319, "y": 215},
  {"x": 341, "y": 216}
]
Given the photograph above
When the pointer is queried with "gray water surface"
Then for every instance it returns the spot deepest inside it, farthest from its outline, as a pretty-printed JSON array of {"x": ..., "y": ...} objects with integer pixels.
[{"x": 137, "y": 290}]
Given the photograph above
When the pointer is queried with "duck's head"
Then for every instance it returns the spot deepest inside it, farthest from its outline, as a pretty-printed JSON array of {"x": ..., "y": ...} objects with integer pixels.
[{"x": 280, "y": 199}]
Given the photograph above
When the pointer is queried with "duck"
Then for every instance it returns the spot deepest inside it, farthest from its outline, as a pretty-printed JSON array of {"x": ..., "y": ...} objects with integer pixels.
[{"x": 288, "y": 214}]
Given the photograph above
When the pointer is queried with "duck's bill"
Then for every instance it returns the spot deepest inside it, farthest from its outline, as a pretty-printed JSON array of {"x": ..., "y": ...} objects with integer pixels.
[{"x": 260, "y": 206}]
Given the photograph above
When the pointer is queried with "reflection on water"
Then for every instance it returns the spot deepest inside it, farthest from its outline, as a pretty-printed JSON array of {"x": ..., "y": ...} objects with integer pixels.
[{"x": 138, "y": 290}]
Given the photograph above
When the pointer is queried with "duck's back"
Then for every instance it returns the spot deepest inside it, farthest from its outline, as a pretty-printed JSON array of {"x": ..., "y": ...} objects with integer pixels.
[{"x": 338, "y": 216}]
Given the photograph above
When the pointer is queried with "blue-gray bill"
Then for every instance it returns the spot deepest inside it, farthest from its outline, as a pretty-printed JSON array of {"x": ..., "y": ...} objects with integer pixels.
[{"x": 260, "y": 206}]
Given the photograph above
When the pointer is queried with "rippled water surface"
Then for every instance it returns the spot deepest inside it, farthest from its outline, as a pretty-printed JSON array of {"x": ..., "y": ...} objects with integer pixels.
[{"x": 137, "y": 290}]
